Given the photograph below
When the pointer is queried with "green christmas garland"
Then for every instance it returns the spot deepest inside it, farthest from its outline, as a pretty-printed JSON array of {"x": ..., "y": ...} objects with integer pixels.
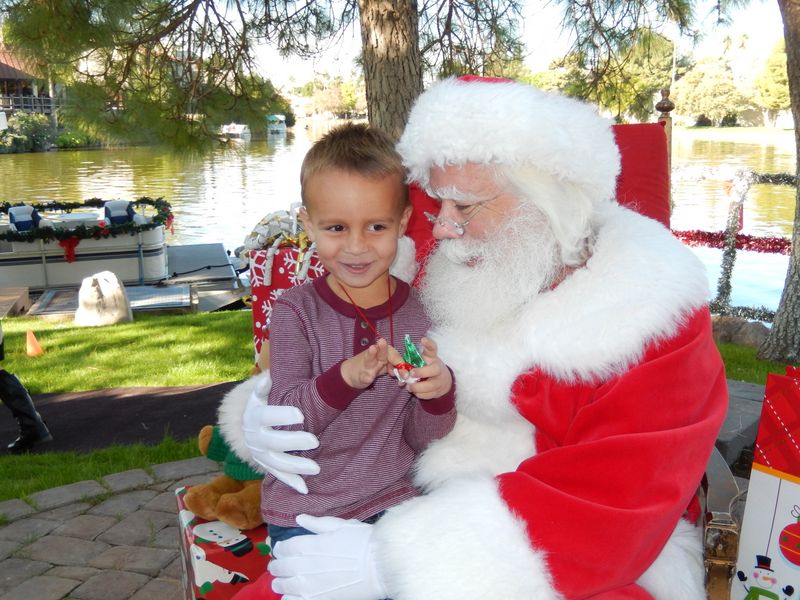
[{"x": 163, "y": 217}]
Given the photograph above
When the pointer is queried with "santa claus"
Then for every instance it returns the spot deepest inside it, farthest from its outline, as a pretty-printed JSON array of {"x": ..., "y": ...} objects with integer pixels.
[{"x": 589, "y": 394}]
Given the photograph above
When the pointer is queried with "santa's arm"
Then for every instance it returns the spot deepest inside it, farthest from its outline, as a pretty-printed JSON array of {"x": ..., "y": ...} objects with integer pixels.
[{"x": 590, "y": 512}]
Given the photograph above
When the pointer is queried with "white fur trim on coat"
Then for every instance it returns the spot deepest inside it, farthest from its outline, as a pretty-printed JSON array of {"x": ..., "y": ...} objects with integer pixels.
[
  {"x": 461, "y": 541},
  {"x": 458, "y": 542},
  {"x": 231, "y": 412},
  {"x": 678, "y": 572},
  {"x": 510, "y": 123}
]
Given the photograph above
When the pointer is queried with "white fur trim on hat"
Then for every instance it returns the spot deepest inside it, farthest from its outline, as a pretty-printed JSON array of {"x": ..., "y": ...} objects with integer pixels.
[{"x": 511, "y": 124}]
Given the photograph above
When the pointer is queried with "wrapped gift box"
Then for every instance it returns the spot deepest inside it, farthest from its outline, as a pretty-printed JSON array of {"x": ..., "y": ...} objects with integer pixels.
[
  {"x": 218, "y": 560},
  {"x": 272, "y": 272},
  {"x": 768, "y": 564}
]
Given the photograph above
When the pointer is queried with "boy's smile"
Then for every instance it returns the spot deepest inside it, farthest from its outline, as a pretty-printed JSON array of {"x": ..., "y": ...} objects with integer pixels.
[{"x": 356, "y": 222}]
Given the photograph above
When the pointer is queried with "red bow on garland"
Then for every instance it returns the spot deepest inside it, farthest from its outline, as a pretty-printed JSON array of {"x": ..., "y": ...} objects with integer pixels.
[{"x": 69, "y": 246}]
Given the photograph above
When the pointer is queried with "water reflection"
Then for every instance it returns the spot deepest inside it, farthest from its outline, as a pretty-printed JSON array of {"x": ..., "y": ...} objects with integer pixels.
[
  {"x": 216, "y": 196},
  {"x": 703, "y": 204},
  {"x": 220, "y": 195}
]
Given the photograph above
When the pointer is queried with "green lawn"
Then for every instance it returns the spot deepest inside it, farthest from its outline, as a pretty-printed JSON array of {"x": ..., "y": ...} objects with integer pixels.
[
  {"x": 741, "y": 364},
  {"x": 154, "y": 350},
  {"x": 158, "y": 350}
]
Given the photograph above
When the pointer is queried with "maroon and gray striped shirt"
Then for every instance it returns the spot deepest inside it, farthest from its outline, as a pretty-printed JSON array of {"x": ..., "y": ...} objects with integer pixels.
[{"x": 368, "y": 438}]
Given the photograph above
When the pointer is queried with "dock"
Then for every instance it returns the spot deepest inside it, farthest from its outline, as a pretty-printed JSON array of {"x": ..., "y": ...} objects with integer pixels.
[{"x": 202, "y": 279}]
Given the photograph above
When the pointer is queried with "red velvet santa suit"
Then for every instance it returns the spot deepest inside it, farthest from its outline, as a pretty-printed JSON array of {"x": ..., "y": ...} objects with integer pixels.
[
  {"x": 583, "y": 430},
  {"x": 584, "y": 425}
]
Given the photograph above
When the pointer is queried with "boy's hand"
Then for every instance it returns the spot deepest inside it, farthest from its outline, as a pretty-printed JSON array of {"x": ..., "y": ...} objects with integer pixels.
[
  {"x": 361, "y": 370},
  {"x": 435, "y": 377}
]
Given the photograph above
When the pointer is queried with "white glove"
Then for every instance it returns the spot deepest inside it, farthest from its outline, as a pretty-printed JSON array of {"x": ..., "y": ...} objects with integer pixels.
[
  {"x": 269, "y": 447},
  {"x": 336, "y": 564}
]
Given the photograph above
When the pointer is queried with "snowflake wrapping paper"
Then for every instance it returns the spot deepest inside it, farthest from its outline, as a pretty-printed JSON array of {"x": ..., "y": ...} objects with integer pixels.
[{"x": 272, "y": 272}]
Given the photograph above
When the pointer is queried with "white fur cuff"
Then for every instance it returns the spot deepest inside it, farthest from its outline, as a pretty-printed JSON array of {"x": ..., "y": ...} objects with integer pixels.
[{"x": 457, "y": 542}]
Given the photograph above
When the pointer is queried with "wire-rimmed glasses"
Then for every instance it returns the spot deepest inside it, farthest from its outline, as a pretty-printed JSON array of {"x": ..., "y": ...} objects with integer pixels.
[{"x": 455, "y": 226}]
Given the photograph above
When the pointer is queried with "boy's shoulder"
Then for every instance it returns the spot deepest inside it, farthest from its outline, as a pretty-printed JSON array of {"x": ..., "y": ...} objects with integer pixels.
[{"x": 299, "y": 294}]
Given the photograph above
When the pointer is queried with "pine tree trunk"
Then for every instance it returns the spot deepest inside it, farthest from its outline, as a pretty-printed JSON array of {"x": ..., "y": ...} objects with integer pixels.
[
  {"x": 783, "y": 342},
  {"x": 392, "y": 61}
]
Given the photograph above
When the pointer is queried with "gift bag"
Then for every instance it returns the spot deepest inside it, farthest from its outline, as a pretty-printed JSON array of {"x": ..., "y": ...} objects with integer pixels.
[
  {"x": 218, "y": 560},
  {"x": 281, "y": 256},
  {"x": 768, "y": 564}
]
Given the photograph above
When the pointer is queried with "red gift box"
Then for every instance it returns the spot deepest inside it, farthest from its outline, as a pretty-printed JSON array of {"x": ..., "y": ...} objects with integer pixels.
[
  {"x": 219, "y": 561},
  {"x": 778, "y": 443},
  {"x": 272, "y": 272}
]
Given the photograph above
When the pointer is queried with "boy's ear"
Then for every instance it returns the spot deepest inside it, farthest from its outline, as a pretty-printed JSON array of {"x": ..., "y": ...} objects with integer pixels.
[
  {"x": 308, "y": 226},
  {"x": 404, "y": 219}
]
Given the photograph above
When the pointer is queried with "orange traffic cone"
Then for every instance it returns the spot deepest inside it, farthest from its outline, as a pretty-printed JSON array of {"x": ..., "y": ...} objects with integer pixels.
[{"x": 32, "y": 345}]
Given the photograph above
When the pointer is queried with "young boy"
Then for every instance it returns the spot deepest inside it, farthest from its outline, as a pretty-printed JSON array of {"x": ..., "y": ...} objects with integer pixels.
[{"x": 334, "y": 341}]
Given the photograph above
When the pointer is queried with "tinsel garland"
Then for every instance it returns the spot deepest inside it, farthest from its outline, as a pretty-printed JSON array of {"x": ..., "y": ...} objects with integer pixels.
[
  {"x": 716, "y": 239},
  {"x": 776, "y": 179},
  {"x": 163, "y": 217},
  {"x": 730, "y": 240}
]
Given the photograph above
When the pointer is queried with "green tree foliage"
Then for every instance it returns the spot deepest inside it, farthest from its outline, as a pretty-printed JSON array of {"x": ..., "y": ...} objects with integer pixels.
[
  {"x": 345, "y": 98},
  {"x": 141, "y": 70},
  {"x": 608, "y": 33},
  {"x": 708, "y": 91},
  {"x": 27, "y": 132},
  {"x": 644, "y": 67},
  {"x": 772, "y": 86},
  {"x": 169, "y": 58},
  {"x": 480, "y": 38}
]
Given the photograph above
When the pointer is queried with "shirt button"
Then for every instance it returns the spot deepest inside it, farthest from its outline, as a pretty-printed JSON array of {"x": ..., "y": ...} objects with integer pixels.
[
  {"x": 364, "y": 342},
  {"x": 363, "y": 324}
]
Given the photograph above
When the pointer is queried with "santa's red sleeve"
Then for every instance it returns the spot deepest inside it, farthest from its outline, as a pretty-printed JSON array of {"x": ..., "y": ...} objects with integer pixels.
[{"x": 603, "y": 493}]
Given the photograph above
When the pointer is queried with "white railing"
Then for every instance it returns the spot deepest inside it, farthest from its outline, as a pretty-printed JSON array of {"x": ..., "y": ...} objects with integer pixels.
[{"x": 28, "y": 103}]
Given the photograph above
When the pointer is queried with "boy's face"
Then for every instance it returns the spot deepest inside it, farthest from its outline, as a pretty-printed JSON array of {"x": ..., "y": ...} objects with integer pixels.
[{"x": 356, "y": 222}]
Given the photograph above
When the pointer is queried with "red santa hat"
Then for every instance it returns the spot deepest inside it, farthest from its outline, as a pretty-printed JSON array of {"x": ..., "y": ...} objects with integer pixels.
[{"x": 503, "y": 122}]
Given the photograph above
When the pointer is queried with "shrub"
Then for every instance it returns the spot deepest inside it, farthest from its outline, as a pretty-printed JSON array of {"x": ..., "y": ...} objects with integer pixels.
[
  {"x": 72, "y": 139},
  {"x": 703, "y": 121},
  {"x": 29, "y": 132}
]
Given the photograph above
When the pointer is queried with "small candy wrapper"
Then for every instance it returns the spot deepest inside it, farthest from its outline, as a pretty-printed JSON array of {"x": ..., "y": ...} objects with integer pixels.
[{"x": 411, "y": 358}]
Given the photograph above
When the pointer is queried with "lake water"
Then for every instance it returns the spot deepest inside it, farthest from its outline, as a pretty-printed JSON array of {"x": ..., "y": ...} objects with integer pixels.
[{"x": 220, "y": 195}]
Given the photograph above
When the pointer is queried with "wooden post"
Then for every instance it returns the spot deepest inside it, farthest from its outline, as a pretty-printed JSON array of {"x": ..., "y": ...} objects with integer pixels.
[{"x": 665, "y": 106}]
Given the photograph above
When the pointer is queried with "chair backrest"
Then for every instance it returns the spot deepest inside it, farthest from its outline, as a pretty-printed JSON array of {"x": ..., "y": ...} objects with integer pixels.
[
  {"x": 643, "y": 184},
  {"x": 24, "y": 217},
  {"x": 118, "y": 212}
]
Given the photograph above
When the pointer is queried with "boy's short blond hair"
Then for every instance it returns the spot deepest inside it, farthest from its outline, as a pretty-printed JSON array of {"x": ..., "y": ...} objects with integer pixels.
[{"x": 355, "y": 148}]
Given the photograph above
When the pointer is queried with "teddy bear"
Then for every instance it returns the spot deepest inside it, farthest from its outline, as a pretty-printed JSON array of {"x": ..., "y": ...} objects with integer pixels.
[{"x": 235, "y": 496}]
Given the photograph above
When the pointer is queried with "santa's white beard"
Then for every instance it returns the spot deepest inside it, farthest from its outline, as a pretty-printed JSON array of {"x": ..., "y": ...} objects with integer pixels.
[{"x": 475, "y": 285}]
